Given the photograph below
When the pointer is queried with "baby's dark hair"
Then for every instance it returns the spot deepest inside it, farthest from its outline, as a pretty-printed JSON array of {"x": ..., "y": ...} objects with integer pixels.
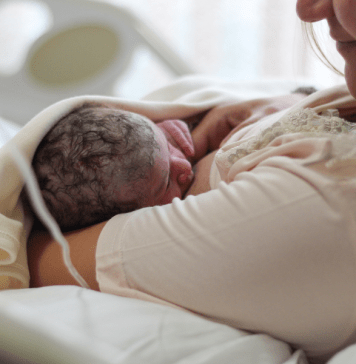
[{"x": 85, "y": 158}]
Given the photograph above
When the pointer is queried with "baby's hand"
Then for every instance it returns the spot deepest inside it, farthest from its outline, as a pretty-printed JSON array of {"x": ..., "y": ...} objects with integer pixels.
[{"x": 177, "y": 133}]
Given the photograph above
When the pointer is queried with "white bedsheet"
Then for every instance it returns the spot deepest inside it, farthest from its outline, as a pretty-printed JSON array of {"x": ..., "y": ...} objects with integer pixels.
[{"x": 68, "y": 324}]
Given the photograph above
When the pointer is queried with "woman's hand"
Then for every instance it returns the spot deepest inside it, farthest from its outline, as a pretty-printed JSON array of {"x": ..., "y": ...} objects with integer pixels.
[{"x": 224, "y": 120}]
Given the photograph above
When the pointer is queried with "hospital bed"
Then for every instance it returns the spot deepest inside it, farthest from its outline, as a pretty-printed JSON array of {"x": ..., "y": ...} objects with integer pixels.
[{"x": 74, "y": 325}]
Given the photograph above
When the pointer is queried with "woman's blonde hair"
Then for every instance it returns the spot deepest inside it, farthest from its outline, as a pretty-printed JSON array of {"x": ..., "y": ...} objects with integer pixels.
[{"x": 310, "y": 35}]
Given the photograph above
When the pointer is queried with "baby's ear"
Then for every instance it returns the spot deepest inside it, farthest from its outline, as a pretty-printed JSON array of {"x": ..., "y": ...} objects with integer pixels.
[{"x": 177, "y": 133}]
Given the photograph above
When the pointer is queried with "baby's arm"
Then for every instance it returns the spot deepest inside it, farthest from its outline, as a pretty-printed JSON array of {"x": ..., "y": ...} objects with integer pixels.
[
  {"x": 220, "y": 123},
  {"x": 224, "y": 120}
]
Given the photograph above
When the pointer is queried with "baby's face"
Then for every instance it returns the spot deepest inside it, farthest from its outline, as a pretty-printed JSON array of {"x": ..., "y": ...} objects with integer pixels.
[{"x": 172, "y": 172}]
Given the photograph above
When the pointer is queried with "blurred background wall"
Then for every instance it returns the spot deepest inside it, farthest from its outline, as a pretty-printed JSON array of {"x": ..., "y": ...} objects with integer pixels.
[{"x": 229, "y": 39}]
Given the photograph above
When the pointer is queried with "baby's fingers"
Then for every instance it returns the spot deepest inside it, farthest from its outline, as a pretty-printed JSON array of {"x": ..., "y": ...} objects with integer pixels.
[{"x": 180, "y": 133}]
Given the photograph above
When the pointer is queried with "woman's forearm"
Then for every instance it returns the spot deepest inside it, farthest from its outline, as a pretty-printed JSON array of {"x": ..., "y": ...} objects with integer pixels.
[{"x": 46, "y": 262}]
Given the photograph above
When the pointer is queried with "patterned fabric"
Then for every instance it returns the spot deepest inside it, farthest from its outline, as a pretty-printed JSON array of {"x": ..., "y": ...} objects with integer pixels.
[{"x": 306, "y": 121}]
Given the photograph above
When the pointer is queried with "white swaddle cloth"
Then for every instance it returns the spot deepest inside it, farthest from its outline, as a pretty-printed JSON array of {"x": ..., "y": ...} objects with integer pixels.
[{"x": 181, "y": 99}]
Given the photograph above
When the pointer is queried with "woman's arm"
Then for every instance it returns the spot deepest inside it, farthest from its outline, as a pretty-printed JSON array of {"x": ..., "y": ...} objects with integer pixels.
[
  {"x": 46, "y": 262},
  {"x": 257, "y": 254}
]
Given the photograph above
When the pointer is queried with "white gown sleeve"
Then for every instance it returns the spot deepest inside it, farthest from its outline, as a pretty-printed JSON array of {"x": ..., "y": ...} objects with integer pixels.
[{"x": 265, "y": 253}]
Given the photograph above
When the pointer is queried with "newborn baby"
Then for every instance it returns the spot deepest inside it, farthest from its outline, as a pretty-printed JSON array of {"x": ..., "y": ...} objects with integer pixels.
[{"x": 99, "y": 161}]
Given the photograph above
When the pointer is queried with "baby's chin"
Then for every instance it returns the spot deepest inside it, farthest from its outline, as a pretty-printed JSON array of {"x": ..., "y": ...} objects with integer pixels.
[{"x": 184, "y": 188}]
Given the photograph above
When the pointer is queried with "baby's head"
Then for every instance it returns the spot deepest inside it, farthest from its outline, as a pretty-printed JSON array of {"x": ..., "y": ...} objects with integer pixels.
[{"x": 99, "y": 161}]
